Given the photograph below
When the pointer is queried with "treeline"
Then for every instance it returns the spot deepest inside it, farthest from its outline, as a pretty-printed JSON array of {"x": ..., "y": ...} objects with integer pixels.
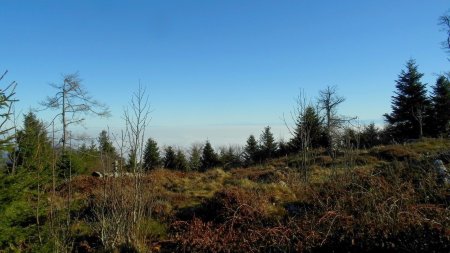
[
  {"x": 316, "y": 124},
  {"x": 416, "y": 112}
]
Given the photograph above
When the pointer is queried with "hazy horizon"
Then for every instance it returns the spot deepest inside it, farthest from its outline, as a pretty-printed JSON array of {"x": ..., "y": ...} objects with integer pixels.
[{"x": 219, "y": 70}]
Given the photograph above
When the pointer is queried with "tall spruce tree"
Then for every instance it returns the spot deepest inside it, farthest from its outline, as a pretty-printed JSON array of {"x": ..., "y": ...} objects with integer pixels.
[
  {"x": 181, "y": 162},
  {"x": 440, "y": 103},
  {"x": 308, "y": 130},
  {"x": 230, "y": 157},
  {"x": 268, "y": 145},
  {"x": 105, "y": 144},
  {"x": 195, "y": 159},
  {"x": 151, "y": 155},
  {"x": 170, "y": 158},
  {"x": 370, "y": 136},
  {"x": 409, "y": 105},
  {"x": 251, "y": 151},
  {"x": 34, "y": 147},
  {"x": 209, "y": 157},
  {"x": 284, "y": 148}
]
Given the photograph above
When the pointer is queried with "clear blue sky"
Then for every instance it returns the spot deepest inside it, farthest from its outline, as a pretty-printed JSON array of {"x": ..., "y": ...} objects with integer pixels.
[{"x": 217, "y": 69}]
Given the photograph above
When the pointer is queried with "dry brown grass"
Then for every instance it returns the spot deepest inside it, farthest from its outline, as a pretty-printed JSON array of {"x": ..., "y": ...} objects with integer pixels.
[
  {"x": 362, "y": 211},
  {"x": 388, "y": 199}
]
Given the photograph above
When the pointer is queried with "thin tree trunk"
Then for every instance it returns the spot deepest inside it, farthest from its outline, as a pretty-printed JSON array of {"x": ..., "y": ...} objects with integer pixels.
[
  {"x": 39, "y": 167},
  {"x": 69, "y": 195},
  {"x": 52, "y": 221},
  {"x": 64, "y": 118}
]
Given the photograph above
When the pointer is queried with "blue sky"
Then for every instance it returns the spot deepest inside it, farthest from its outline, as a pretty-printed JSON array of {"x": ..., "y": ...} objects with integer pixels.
[{"x": 219, "y": 69}]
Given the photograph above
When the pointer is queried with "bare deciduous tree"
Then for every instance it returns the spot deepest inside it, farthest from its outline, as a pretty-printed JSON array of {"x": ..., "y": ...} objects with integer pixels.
[
  {"x": 418, "y": 114},
  {"x": 444, "y": 21},
  {"x": 121, "y": 206},
  {"x": 302, "y": 133},
  {"x": 137, "y": 118},
  {"x": 72, "y": 100},
  {"x": 7, "y": 101},
  {"x": 329, "y": 100}
]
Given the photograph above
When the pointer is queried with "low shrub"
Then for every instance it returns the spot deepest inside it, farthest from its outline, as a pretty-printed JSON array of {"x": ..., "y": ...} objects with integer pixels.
[
  {"x": 257, "y": 175},
  {"x": 352, "y": 212},
  {"x": 394, "y": 152},
  {"x": 324, "y": 160}
]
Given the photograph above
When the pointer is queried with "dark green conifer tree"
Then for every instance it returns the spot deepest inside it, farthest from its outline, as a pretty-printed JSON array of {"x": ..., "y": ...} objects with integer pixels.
[
  {"x": 440, "y": 104},
  {"x": 268, "y": 145},
  {"x": 251, "y": 151},
  {"x": 195, "y": 159},
  {"x": 105, "y": 144},
  {"x": 284, "y": 148},
  {"x": 34, "y": 146},
  {"x": 152, "y": 158},
  {"x": 132, "y": 161},
  {"x": 230, "y": 157},
  {"x": 308, "y": 130},
  {"x": 370, "y": 136},
  {"x": 181, "y": 162},
  {"x": 409, "y": 105},
  {"x": 170, "y": 158},
  {"x": 209, "y": 157}
]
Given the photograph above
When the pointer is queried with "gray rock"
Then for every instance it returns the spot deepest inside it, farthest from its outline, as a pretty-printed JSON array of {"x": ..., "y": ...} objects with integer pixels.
[
  {"x": 442, "y": 174},
  {"x": 97, "y": 174}
]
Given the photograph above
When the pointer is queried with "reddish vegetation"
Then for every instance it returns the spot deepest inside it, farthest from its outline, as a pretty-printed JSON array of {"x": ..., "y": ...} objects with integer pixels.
[
  {"x": 389, "y": 205},
  {"x": 395, "y": 152},
  {"x": 351, "y": 213}
]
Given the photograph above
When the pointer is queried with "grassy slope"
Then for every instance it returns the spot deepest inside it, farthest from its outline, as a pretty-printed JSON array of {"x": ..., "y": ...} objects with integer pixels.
[{"x": 383, "y": 198}]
